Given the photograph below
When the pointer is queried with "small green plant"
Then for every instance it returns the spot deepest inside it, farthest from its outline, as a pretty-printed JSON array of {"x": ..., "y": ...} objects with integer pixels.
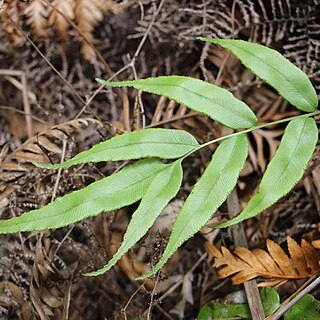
[
  {"x": 226, "y": 309},
  {"x": 307, "y": 308},
  {"x": 155, "y": 183}
]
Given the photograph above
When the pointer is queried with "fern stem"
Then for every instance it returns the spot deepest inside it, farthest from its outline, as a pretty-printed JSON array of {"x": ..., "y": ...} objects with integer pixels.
[
  {"x": 260, "y": 126},
  {"x": 285, "y": 307}
]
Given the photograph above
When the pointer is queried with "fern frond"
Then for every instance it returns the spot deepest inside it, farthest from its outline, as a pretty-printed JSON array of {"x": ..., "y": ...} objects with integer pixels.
[
  {"x": 38, "y": 147},
  {"x": 87, "y": 14},
  {"x": 44, "y": 20},
  {"x": 14, "y": 37},
  {"x": 58, "y": 22},
  {"x": 243, "y": 265},
  {"x": 37, "y": 14}
]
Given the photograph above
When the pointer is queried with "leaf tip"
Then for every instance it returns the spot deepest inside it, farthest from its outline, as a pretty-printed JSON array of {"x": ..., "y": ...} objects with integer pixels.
[
  {"x": 144, "y": 276},
  {"x": 42, "y": 165},
  {"x": 212, "y": 40},
  {"x": 223, "y": 225},
  {"x": 103, "y": 82},
  {"x": 94, "y": 273}
]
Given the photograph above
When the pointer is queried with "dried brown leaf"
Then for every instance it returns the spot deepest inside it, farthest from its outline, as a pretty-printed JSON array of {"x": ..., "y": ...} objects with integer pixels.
[
  {"x": 37, "y": 14},
  {"x": 247, "y": 256},
  {"x": 266, "y": 145},
  {"x": 312, "y": 256},
  {"x": 4, "y": 152},
  {"x": 37, "y": 148},
  {"x": 59, "y": 23},
  {"x": 87, "y": 14},
  {"x": 13, "y": 35},
  {"x": 316, "y": 244},
  {"x": 316, "y": 178},
  {"x": 265, "y": 258},
  {"x": 213, "y": 250},
  {"x": 281, "y": 258},
  {"x": 243, "y": 264},
  {"x": 44, "y": 20},
  {"x": 297, "y": 256}
]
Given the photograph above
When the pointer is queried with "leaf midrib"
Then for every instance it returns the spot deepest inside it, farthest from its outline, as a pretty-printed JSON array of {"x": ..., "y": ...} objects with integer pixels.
[{"x": 266, "y": 274}]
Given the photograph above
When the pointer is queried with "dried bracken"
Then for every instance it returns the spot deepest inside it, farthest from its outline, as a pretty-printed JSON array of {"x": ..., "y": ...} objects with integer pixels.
[
  {"x": 168, "y": 111},
  {"x": 39, "y": 148},
  {"x": 36, "y": 14},
  {"x": 244, "y": 265},
  {"x": 45, "y": 16},
  {"x": 288, "y": 24},
  {"x": 13, "y": 36},
  {"x": 58, "y": 22},
  {"x": 88, "y": 14}
]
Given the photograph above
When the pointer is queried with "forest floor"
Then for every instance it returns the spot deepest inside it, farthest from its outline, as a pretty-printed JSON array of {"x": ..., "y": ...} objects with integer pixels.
[{"x": 50, "y": 102}]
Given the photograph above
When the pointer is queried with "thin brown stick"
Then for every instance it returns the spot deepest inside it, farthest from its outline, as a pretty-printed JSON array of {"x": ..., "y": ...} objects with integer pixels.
[
  {"x": 136, "y": 54},
  {"x": 22, "y": 112},
  {"x": 89, "y": 101},
  {"x": 61, "y": 243},
  {"x": 26, "y": 104},
  {"x": 18, "y": 85},
  {"x": 51, "y": 66},
  {"x": 165, "y": 314},
  {"x": 66, "y": 301},
  {"x": 25, "y": 96},
  {"x": 176, "y": 285},
  {"x": 240, "y": 239},
  {"x": 123, "y": 310},
  {"x": 180, "y": 282},
  {"x": 152, "y": 296},
  {"x": 219, "y": 75},
  {"x": 304, "y": 285},
  {"x": 284, "y": 308},
  {"x": 173, "y": 119},
  {"x": 130, "y": 65},
  {"x": 55, "y": 188}
]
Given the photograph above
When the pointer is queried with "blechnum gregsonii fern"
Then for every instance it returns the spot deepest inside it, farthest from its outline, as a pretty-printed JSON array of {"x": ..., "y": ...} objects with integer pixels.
[{"x": 155, "y": 183}]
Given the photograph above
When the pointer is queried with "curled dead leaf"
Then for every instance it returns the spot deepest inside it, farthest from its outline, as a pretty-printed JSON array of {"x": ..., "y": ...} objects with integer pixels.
[{"x": 243, "y": 264}]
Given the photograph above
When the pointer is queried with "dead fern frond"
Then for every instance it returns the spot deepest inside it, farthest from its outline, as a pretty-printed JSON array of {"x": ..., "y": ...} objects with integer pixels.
[
  {"x": 87, "y": 15},
  {"x": 44, "y": 21},
  {"x": 287, "y": 24},
  {"x": 37, "y": 14},
  {"x": 58, "y": 22},
  {"x": 37, "y": 149},
  {"x": 243, "y": 264},
  {"x": 16, "y": 166},
  {"x": 14, "y": 37}
]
